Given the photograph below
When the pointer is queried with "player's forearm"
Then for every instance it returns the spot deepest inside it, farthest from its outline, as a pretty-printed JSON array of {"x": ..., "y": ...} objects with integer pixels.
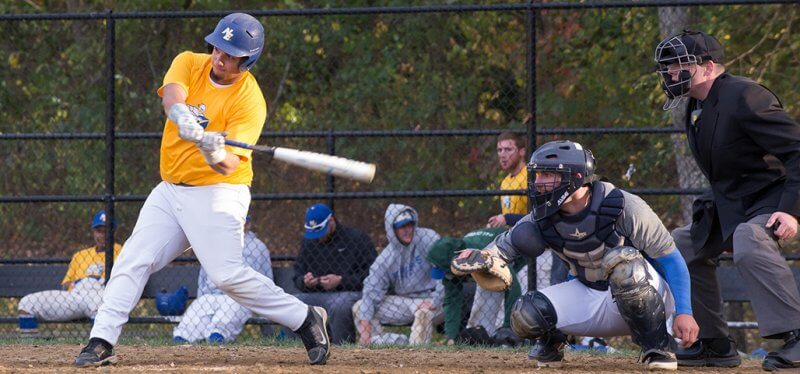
[
  {"x": 677, "y": 276},
  {"x": 171, "y": 95},
  {"x": 227, "y": 165}
]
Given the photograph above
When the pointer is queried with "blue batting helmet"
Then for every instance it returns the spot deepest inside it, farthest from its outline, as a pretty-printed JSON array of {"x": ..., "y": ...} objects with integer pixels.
[
  {"x": 239, "y": 35},
  {"x": 172, "y": 303}
]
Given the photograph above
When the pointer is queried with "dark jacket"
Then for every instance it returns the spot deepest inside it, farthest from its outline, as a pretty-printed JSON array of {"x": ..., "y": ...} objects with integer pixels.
[
  {"x": 348, "y": 253},
  {"x": 749, "y": 149}
]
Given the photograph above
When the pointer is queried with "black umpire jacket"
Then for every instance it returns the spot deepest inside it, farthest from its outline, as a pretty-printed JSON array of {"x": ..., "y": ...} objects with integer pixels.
[{"x": 749, "y": 149}]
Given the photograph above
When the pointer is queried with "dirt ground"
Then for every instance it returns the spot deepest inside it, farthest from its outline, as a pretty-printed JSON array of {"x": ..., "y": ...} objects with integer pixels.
[{"x": 254, "y": 359}]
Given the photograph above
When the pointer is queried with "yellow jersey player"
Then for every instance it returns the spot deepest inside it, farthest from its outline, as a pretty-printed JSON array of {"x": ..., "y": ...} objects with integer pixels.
[
  {"x": 511, "y": 154},
  {"x": 82, "y": 286},
  {"x": 203, "y": 199}
]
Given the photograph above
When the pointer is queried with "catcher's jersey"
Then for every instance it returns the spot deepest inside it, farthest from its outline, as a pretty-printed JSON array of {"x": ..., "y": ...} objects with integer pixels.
[
  {"x": 637, "y": 226},
  {"x": 88, "y": 263},
  {"x": 238, "y": 109},
  {"x": 515, "y": 204}
]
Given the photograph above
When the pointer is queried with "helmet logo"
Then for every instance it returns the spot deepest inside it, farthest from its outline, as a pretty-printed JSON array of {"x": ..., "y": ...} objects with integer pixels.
[
  {"x": 227, "y": 34},
  {"x": 563, "y": 197}
]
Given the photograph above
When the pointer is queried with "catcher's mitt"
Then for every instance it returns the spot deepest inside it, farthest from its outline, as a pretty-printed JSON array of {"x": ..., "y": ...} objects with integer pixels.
[{"x": 490, "y": 272}]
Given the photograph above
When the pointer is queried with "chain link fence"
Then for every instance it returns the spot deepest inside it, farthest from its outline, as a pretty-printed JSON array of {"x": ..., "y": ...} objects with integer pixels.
[{"x": 422, "y": 91}]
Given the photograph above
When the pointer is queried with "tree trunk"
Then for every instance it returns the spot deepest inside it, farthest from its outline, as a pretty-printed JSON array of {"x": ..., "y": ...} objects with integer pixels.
[{"x": 671, "y": 21}]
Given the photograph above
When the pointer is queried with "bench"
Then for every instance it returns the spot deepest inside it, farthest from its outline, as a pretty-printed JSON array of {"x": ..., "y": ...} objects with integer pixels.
[{"x": 18, "y": 280}]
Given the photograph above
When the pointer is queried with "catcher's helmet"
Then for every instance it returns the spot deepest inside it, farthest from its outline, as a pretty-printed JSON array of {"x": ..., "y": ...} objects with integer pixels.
[
  {"x": 571, "y": 161},
  {"x": 172, "y": 303},
  {"x": 684, "y": 49},
  {"x": 239, "y": 35}
]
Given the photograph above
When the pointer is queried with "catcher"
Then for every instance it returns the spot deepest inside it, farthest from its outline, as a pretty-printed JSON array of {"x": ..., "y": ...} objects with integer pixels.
[{"x": 628, "y": 277}]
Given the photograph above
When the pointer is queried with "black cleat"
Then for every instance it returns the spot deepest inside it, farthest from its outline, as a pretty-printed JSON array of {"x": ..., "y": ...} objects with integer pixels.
[
  {"x": 787, "y": 357},
  {"x": 715, "y": 352},
  {"x": 548, "y": 352},
  {"x": 97, "y": 353},
  {"x": 656, "y": 359},
  {"x": 314, "y": 334}
]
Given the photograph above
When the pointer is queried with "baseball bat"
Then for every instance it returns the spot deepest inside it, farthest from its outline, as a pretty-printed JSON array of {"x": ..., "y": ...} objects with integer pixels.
[{"x": 336, "y": 166}]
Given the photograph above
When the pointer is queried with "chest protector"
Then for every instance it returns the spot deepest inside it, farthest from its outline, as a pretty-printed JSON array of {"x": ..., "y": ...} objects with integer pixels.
[{"x": 582, "y": 240}]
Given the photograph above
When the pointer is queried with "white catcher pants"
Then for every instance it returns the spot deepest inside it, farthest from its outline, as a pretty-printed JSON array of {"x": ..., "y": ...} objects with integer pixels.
[
  {"x": 209, "y": 314},
  {"x": 584, "y": 311},
  {"x": 210, "y": 219}
]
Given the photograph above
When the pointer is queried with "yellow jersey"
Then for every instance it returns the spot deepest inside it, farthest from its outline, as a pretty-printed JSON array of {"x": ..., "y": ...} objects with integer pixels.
[
  {"x": 88, "y": 263},
  {"x": 515, "y": 204},
  {"x": 238, "y": 109}
]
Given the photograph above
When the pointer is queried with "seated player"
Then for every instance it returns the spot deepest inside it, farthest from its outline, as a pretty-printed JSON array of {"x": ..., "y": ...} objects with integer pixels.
[{"x": 82, "y": 286}]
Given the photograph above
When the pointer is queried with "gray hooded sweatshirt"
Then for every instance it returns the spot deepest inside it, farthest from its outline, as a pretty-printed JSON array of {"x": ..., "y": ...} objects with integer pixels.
[{"x": 403, "y": 268}]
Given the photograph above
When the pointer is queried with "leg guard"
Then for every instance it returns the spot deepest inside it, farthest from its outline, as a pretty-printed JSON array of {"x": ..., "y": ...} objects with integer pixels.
[
  {"x": 533, "y": 316},
  {"x": 639, "y": 303}
]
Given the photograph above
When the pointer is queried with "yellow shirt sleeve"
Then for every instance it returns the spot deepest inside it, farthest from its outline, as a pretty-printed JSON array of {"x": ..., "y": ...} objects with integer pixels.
[
  {"x": 74, "y": 270},
  {"x": 178, "y": 73}
]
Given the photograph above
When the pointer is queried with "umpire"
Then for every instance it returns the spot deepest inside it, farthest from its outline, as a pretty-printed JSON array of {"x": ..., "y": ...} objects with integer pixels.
[{"x": 749, "y": 149}]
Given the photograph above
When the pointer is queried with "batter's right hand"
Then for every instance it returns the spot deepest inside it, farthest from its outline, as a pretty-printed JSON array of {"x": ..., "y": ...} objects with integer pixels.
[
  {"x": 685, "y": 328},
  {"x": 188, "y": 127}
]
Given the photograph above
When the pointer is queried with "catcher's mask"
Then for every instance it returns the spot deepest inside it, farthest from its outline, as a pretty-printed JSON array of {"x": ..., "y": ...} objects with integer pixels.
[
  {"x": 678, "y": 53},
  {"x": 574, "y": 164}
]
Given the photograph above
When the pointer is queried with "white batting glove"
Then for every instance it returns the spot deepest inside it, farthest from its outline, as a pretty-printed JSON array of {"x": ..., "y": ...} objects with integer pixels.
[
  {"x": 188, "y": 127},
  {"x": 212, "y": 146}
]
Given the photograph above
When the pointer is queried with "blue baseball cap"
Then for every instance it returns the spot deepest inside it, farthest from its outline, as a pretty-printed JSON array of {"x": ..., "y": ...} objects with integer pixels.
[
  {"x": 318, "y": 217},
  {"x": 403, "y": 218},
  {"x": 99, "y": 219}
]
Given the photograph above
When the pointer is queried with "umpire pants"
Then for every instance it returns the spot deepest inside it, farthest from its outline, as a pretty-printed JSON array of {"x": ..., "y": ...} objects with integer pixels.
[{"x": 768, "y": 279}]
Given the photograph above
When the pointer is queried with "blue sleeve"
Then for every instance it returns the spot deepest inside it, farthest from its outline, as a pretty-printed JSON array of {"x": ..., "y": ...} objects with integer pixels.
[{"x": 677, "y": 276}]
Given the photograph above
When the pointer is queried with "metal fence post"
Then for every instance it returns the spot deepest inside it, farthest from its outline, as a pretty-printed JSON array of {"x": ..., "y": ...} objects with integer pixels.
[
  {"x": 110, "y": 119},
  {"x": 531, "y": 105}
]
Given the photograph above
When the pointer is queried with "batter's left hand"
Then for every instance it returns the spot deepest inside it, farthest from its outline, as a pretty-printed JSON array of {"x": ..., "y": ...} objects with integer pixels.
[
  {"x": 685, "y": 328},
  {"x": 787, "y": 225}
]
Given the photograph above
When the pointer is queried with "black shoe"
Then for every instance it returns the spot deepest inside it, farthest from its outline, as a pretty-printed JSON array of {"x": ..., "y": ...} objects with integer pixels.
[
  {"x": 548, "y": 352},
  {"x": 656, "y": 359},
  {"x": 716, "y": 352},
  {"x": 97, "y": 353},
  {"x": 314, "y": 334},
  {"x": 787, "y": 357}
]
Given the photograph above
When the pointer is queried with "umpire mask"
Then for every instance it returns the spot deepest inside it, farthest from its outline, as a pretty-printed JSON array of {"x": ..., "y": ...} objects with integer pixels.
[
  {"x": 574, "y": 164},
  {"x": 676, "y": 54},
  {"x": 671, "y": 54}
]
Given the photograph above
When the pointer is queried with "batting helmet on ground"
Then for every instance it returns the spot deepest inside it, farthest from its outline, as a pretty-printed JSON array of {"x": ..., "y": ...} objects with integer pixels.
[
  {"x": 172, "y": 303},
  {"x": 239, "y": 35}
]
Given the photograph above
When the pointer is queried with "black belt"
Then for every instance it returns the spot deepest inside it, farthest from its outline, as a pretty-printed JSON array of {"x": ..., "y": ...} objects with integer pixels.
[{"x": 184, "y": 185}]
